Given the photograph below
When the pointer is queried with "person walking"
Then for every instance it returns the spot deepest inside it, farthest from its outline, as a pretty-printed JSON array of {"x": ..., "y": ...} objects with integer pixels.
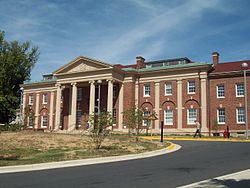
[{"x": 198, "y": 128}]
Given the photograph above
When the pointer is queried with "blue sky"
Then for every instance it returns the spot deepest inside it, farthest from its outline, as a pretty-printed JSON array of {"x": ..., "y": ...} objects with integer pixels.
[{"x": 116, "y": 31}]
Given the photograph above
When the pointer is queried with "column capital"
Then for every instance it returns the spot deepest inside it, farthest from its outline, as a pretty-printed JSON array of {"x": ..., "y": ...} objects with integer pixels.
[
  {"x": 58, "y": 85},
  {"x": 92, "y": 82},
  {"x": 37, "y": 94},
  {"x": 73, "y": 83},
  {"x": 110, "y": 80},
  {"x": 157, "y": 83}
]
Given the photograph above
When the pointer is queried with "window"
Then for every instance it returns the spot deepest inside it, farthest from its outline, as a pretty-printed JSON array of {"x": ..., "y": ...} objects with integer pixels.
[
  {"x": 192, "y": 115},
  {"x": 239, "y": 90},
  {"x": 114, "y": 116},
  {"x": 146, "y": 122},
  {"x": 114, "y": 91},
  {"x": 240, "y": 115},
  {"x": 221, "y": 116},
  {"x": 79, "y": 94},
  {"x": 220, "y": 91},
  {"x": 78, "y": 117},
  {"x": 31, "y": 99},
  {"x": 45, "y": 98},
  {"x": 146, "y": 90},
  {"x": 30, "y": 121},
  {"x": 168, "y": 117},
  {"x": 44, "y": 121},
  {"x": 191, "y": 87},
  {"x": 168, "y": 89}
]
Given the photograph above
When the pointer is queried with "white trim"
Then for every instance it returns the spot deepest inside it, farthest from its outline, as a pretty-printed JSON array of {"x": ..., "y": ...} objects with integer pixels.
[
  {"x": 188, "y": 87},
  {"x": 217, "y": 91},
  {"x": 146, "y": 95},
  {"x": 168, "y": 94},
  {"x": 188, "y": 122},
  {"x": 221, "y": 123},
  {"x": 165, "y": 114},
  {"x": 237, "y": 117},
  {"x": 236, "y": 88},
  {"x": 44, "y": 98}
]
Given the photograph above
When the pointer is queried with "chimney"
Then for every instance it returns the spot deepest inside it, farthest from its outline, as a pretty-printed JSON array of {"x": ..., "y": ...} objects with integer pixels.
[
  {"x": 215, "y": 58},
  {"x": 140, "y": 62}
]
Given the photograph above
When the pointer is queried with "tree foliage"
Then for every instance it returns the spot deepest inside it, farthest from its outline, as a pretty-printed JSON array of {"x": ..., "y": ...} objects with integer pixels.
[
  {"x": 100, "y": 124},
  {"x": 16, "y": 62},
  {"x": 133, "y": 118}
]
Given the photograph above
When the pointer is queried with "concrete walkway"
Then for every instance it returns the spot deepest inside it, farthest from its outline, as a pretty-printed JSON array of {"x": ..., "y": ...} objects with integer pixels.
[
  {"x": 239, "y": 179},
  {"x": 62, "y": 164}
]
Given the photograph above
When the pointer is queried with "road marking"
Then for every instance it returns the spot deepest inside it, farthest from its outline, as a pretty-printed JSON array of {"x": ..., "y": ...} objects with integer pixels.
[{"x": 223, "y": 181}]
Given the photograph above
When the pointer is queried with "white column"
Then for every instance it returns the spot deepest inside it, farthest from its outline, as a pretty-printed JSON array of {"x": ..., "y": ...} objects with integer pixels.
[
  {"x": 121, "y": 106},
  {"x": 37, "y": 111},
  {"x": 72, "y": 123},
  {"x": 51, "y": 110},
  {"x": 58, "y": 106},
  {"x": 110, "y": 96},
  {"x": 137, "y": 92},
  {"x": 179, "y": 104},
  {"x": 157, "y": 105},
  {"x": 92, "y": 97},
  {"x": 23, "y": 109},
  {"x": 204, "y": 102}
]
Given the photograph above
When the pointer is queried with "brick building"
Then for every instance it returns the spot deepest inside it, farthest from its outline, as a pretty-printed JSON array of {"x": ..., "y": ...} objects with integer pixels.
[{"x": 178, "y": 90}]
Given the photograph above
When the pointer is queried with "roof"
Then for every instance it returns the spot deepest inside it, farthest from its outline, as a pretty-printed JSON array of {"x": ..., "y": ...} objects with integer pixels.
[
  {"x": 166, "y": 67},
  {"x": 230, "y": 66}
]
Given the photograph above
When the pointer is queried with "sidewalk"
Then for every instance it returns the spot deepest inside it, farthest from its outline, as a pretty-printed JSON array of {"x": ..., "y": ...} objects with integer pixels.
[
  {"x": 62, "y": 164},
  {"x": 238, "y": 179},
  {"x": 220, "y": 139}
]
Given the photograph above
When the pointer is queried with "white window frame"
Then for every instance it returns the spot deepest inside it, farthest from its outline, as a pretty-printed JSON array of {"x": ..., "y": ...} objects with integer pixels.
[
  {"x": 217, "y": 91},
  {"x": 45, "y": 98},
  {"x": 146, "y": 93},
  {"x": 237, "y": 115},
  {"x": 236, "y": 90},
  {"x": 171, "y": 117},
  {"x": 218, "y": 116},
  {"x": 190, "y": 121},
  {"x": 31, "y": 99},
  {"x": 145, "y": 114},
  {"x": 42, "y": 121},
  {"x": 168, "y": 89},
  {"x": 189, "y": 87}
]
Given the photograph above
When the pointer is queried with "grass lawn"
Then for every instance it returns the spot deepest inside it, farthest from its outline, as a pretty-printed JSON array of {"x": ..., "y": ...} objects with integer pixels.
[{"x": 29, "y": 147}]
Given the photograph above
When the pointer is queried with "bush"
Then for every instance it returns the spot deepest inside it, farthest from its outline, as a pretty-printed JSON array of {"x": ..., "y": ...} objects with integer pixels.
[{"x": 10, "y": 127}]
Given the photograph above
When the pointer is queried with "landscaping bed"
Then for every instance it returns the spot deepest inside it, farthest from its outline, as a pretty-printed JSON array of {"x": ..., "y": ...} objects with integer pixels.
[{"x": 29, "y": 147}]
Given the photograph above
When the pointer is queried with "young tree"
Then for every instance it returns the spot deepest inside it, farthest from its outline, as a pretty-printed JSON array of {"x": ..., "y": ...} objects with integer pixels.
[
  {"x": 16, "y": 62},
  {"x": 133, "y": 118},
  {"x": 99, "y": 129}
]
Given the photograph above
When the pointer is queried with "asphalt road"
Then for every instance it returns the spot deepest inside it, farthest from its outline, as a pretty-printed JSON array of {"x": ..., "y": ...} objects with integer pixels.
[{"x": 196, "y": 161}]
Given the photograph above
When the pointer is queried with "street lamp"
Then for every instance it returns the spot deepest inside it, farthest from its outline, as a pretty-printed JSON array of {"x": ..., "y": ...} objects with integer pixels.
[
  {"x": 245, "y": 66},
  {"x": 99, "y": 82}
]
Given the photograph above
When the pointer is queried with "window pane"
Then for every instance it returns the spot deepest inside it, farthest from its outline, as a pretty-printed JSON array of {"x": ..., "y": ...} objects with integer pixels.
[
  {"x": 192, "y": 115},
  {"x": 240, "y": 89},
  {"x": 79, "y": 94},
  {"x": 168, "y": 89},
  {"x": 145, "y": 114},
  {"x": 240, "y": 115},
  {"x": 44, "y": 121},
  {"x": 114, "y": 115},
  {"x": 191, "y": 86},
  {"x": 220, "y": 91},
  {"x": 45, "y": 98},
  {"x": 168, "y": 117},
  {"x": 221, "y": 115},
  {"x": 146, "y": 90}
]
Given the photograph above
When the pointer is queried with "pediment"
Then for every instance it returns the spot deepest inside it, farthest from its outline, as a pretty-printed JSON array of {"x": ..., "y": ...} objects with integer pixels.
[{"x": 82, "y": 64}]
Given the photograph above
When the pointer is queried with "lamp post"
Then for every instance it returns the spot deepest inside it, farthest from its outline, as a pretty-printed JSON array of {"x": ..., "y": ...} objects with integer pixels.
[
  {"x": 245, "y": 66},
  {"x": 99, "y": 82}
]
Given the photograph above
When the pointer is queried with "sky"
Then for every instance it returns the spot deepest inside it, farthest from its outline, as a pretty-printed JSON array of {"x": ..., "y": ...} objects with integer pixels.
[{"x": 116, "y": 31}]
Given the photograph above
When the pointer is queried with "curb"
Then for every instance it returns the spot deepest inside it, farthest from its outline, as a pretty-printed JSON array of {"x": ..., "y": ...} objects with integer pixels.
[{"x": 73, "y": 163}]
